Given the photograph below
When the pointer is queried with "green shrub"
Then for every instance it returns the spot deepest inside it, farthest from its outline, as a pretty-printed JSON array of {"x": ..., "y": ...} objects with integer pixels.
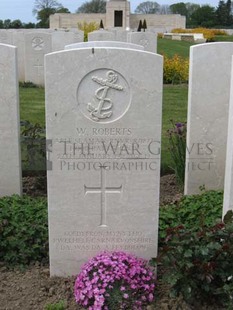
[
  {"x": 58, "y": 306},
  {"x": 23, "y": 230},
  {"x": 198, "y": 264},
  {"x": 175, "y": 70},
  {"x": 177, "y": 148},
  {"x": 28, "y": 85},
  {"x": 192, "y": 212},
  {"x": 33, "y": 146}
]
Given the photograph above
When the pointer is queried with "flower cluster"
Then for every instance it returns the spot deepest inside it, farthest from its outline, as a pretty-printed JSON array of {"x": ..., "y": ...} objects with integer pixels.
[
  {"x": 115, "y": 280},
  {"x": 175, "y": 70}
]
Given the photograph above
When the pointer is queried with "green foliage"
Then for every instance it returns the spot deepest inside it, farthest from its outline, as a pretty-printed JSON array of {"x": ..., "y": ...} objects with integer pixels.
[
  {"x": 199, "y": 265},
  {"x": 192, "y": 211},
  {"x": 23, "y": 230},
  {"x": 27, "y": 85},
  {"x": 175, "y": 99},
  {"x": 175, "y": 70},
  {"x": 33, "y": 145},
  {"x": 147, "y": 7},
  {"x": 92, "y": 6},
  {"x": 44, "y": 8},
  {"x": 58, "y": 306},
  {"x": 177, "y": 142},
  {"x": 204, "y": 16}
]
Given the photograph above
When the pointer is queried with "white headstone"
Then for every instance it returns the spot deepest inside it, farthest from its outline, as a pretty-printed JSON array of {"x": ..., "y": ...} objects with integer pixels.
[
  {"x": 37, "y": 44},
  {"x": 62, "y": 38},
  {"x": 228, "y": 184},
  {"x": 106, "y": 44},
  {"x": 103, "y": 109},
  {"x": 208, "y": 108},
  {"x": 146, "y": 39},
  {"x": 10, "y": 156},
  {"x": 101, "y": 35},
  {"x": 19, "y": 42},
  {"x": 6, "y": 36}
]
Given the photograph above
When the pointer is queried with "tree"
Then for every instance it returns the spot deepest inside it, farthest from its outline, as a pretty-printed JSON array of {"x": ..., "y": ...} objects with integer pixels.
[
  {"x": 44, "y": 8},
  {"x": 164, "y": 9},
  {"x": 179, "y": 8},
  {"x": 93, "y": 6},
  {"x": 16, "y": 24},
  {"x": 204, "y": 16},
  {"x": 147, "y": 7},
  {"x": 224, "y": 13}
]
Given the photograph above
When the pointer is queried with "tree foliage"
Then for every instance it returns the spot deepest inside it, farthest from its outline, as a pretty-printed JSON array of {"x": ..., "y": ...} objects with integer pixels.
[
  {"x": 147, "y": 7},
  {"x": 92, "y": 6},
  {"x": 44, "y": 8},
  {"x": 224, "y": 13},
  {"x": 205, "y": 16}
]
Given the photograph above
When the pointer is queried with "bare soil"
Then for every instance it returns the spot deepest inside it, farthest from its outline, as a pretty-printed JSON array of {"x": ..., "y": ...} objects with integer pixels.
[{"x": 34, "y": 289}]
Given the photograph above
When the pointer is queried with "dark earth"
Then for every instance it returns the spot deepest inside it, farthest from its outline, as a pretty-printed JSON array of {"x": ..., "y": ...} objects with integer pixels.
[{"x": 34, "y": 289}]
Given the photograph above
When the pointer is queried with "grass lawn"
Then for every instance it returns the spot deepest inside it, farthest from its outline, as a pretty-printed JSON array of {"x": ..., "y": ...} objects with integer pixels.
[
  {"x": 171, "y": 47},
  {"x": 32, "y": 106}
]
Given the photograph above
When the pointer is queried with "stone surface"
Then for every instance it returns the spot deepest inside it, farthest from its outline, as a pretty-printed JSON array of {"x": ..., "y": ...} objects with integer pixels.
[
  {"x": 37, "y": 44},
  {"x": 101, "y": 35},
  {"x": 208, "y": 108},
  {"x": 10, "y": 156},
  {"x": 228, "y": 184},
  {"x": 62, "y": 38},
  {"x": 104, "y": 44},
  {"x": 104, "y": 125},
  {"x": 146, "y": 39}
]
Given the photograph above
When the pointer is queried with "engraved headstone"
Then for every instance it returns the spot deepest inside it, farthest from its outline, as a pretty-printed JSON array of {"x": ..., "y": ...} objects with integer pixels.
[
  {"x": 19, "y": 42},
  {"x": 103, "y": 113},
  {"x": 62, "y": 38},
  {"x": 208, "y": 108},
  {"x": 10, "y": 156},
  {"x": 104, "y": 44},
  {"x": 228, "y": 183},
  {"x": 101, "y": 35},
  {"x": 146, "y": 39},
  {"x": 37, "y": 44},
  {"x": 6, "y": 36}
]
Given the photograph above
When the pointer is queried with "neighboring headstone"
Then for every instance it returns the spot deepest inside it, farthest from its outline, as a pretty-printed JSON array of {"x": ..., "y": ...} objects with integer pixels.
[
  {"x": 19, "y": 42},
  {"x": 104, "y": 44},
  {"x": 37, "y": 44},
  {"x": 146, "y": 39},
  {"x": 103, "y": 110},
  {"x": 101, "y": 35},
  {"x": 62, "y": 38},
  {"x": 208, "y": 108},
  {"x": 6, "y": 36},
  {"x": 10, "y": 155},
  {"x": 228, "y": 184}
]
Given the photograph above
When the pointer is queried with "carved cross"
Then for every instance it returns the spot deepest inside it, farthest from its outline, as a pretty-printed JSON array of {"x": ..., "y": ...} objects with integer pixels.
[{"x": 102, "y": 190}]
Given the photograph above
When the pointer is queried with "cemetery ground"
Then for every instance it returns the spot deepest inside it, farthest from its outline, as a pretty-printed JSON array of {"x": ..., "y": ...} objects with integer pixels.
[{"x": 24, "y": 271}]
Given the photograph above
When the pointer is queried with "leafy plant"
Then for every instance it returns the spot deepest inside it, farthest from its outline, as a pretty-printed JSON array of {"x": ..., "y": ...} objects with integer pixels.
[
  {"x": 198, "y": 264},
  {"x": 177, "y": 141},
  {"x": 23, "y": 230},
  {"x": 175, "y": 70},
  {"x": 115, "y": 280},
  {"x": 28, "y": 85},
  {"x": 192, "y": 211},
  {"x": 87, "y": 27},
  {"x": 58, "y": 306},
  {"x": 34, "y": 145}
]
